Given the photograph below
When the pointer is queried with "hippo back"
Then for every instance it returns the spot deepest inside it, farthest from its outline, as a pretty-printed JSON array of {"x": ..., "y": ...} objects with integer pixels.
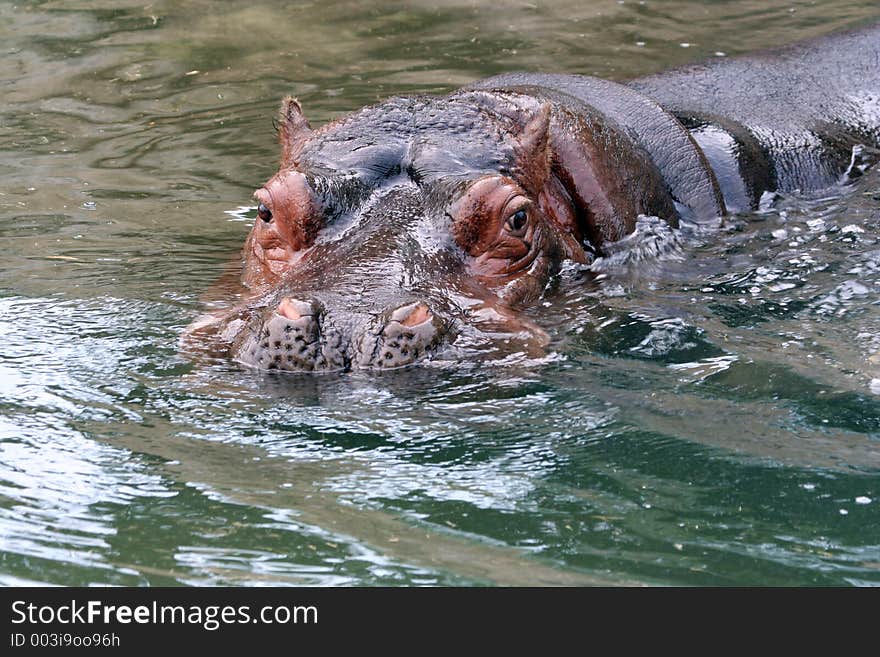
[{"x": 806, "y": 106}]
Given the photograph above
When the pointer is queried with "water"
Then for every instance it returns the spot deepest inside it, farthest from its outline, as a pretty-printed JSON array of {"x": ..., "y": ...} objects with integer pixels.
[{"x": 708, "y": 412}]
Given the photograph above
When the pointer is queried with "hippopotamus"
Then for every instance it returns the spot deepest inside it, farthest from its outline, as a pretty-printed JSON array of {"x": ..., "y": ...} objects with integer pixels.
[{"x": 386, "y": 233}]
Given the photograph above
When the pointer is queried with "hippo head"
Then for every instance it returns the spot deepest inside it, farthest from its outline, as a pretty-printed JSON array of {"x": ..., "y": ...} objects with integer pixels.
[{"x": 386, "y": 232}]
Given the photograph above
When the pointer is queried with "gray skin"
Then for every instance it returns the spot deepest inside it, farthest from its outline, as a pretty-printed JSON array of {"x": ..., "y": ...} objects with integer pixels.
[{"x": 380, "y": 261}]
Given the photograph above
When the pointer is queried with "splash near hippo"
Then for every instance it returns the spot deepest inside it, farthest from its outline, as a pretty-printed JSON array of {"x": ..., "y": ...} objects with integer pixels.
[{"x": 386, "y": 232}]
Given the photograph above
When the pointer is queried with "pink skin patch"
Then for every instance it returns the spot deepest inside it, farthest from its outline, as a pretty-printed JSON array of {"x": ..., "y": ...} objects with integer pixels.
[
  {"x": 293, "y": 309},
  {"x": 419, "y": 315},
  {"x": 412, "y": 315}
]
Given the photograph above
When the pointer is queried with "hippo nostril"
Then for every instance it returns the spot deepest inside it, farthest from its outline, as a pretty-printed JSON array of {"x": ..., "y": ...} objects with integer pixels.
[
  {"x": 412, "y": 314},
  {"x": 296, "y": 335},
  {"x": 294, "y": 309},
  {"x": 406, "y": 334}
]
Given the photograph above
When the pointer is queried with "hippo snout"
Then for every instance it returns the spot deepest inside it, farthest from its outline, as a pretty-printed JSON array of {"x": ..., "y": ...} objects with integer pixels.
[
  {"x": 400, "y": 337},
  {"x": 295, "y": 336},
  {"x": 303, "y": 336}
]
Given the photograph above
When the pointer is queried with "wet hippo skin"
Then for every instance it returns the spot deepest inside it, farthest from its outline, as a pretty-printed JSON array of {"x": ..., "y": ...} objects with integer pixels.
[{"x": 387, "y": 231}]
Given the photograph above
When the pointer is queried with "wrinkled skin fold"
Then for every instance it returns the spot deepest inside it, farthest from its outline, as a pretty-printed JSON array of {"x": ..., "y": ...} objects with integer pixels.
[{"x": 386, "y": 234}]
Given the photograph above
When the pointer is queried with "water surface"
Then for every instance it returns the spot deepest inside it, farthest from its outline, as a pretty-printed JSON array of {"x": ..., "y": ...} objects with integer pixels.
[{"x": 708, "y": 416}]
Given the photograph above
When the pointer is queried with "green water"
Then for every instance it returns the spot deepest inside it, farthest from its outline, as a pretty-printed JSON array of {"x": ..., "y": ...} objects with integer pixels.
[{"x": 709, "y": 417}]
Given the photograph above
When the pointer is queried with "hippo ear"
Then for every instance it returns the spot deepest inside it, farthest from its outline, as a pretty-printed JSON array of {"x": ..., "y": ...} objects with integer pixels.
[
  {"x": 533, "y": 150},
  {"x": 293, "y": 129}
]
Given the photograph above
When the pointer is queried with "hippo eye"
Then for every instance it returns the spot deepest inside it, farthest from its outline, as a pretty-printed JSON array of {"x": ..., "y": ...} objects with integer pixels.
[
  {"x": 517, "y": 221},
  {"x": 264, "y": 213}
]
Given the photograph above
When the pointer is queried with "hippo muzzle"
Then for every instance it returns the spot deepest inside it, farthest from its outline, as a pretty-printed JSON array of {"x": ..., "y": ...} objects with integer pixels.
[
  {"x": 354, "y": 301},
  {"x": 301, "y": 336}
]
